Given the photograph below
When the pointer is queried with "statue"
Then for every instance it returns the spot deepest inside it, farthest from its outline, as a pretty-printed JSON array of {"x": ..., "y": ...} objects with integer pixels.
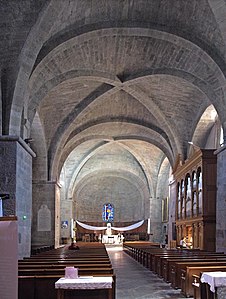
[{"x": 108, "y": 231}]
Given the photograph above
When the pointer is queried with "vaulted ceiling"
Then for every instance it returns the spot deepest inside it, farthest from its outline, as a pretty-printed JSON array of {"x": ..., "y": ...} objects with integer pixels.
[{"x": 109, "y": 89}]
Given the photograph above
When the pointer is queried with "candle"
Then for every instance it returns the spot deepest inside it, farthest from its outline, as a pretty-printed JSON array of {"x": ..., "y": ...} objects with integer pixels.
[
  {"x": 149, "y": 226},
  {"x": 72, "y": 228}
]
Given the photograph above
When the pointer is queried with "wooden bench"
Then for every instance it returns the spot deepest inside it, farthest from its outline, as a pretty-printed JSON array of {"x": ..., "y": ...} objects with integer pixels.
[
  {"x": 38, "y": 249},
  {"x": 169, "y": 264},
  {"x": 64, "y": 263},
  {"x": 178, "y": 268},
  {"x": 85, "y": 270},
  {"x": 196, "y": 286},
  {"x": 38, "y": 274},
  {"x": 43, "y": 287},
  {"x": 187, "y": 280},
  {"x": 202, "y": 290},
  {"x": 136, "y": 249}
]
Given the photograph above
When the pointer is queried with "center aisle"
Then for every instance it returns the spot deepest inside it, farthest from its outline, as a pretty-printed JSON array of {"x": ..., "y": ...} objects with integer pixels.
[{"x": 134, "y": 281}]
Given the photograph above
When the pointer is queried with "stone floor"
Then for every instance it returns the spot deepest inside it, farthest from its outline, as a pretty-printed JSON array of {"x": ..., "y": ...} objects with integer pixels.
[{"x": 134, "y": 281}]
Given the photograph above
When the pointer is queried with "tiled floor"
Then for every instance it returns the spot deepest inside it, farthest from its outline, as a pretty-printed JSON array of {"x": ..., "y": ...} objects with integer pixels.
[{"x": 134, "y": 281}]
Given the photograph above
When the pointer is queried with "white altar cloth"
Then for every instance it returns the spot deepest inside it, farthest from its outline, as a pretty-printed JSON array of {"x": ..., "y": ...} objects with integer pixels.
[
  {"x": 110, "y": 239},
  {"x": 214, "y": 279},
  {"x": 84, "y": 283}
]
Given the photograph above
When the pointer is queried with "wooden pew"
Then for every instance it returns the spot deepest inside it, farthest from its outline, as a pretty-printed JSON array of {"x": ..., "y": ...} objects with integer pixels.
[
  {"x": 158, "y": 260},
  {"x": 179, "y": 267},
  {"x": 43, "y": 287},
  {"x": 136, "y": 249},
  {"x": 65, "y": 263},
  {"x": 168, "y": 267},
  {"x": 91, "y": 271},
  {"x": 196, "y": 286},
  {"x": 58, "y": 258},
  {"x": 38, "y": 249},
  {"x": 154, "y": 258},
  {"x": 38, "y": 274},
  {"x": 202, "y": 290},
  {"x": 187, "y": 288}
]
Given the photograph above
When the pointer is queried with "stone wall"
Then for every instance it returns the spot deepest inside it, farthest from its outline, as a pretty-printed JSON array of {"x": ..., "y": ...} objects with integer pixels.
[
  {"x": 46, "y": 218},
  {"x": 24, "y": 199},
  {"x": 15, "y": 182}
]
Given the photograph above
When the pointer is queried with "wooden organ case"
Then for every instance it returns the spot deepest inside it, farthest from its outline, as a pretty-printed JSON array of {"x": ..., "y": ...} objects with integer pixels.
[{"x": 196, "y": 200}]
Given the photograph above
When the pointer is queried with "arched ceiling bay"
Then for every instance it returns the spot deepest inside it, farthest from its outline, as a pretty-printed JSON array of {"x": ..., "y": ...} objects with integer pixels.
[
  {"x": 148, "y": 78},
  {"x": 116, "y": 171},
  {"x": 131, "y": 77}
]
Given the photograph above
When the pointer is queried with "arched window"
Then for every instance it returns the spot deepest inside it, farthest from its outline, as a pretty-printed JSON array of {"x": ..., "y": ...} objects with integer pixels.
[{"x": 108, "y": 212}]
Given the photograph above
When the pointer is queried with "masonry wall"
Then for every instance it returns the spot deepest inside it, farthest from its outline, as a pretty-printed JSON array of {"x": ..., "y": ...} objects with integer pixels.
[
  {"x": 46, "y": 218},
  {"x": 16, "y": 187}
]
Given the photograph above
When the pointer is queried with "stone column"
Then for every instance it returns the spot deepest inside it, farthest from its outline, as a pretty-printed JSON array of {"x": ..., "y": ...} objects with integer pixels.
[
  {"x": 221, "y": 200},
  {"x": 66, "y": 215},
  {"x": 16, "y": 186},
  {"x": 156, "y": 220},
  {"x": 46, "y": 213}
]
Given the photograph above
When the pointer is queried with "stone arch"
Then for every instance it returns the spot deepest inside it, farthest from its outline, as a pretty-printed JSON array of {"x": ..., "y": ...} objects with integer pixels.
[
  {"x": 39, "y": 147},
  {"x": 40, "y": 34},
  {"x": 37, "y": 36},
  {"x": 131, "y": 179},
  {"x": 160, "y": 143},
  {"x": 195, "y": 79},
  {"x": 207, "y": 131},
  {"x": 134, "y": 154}
]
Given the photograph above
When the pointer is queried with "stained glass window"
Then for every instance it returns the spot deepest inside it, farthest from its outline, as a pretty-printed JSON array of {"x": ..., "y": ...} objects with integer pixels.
[{"x": 108, "y": 212}]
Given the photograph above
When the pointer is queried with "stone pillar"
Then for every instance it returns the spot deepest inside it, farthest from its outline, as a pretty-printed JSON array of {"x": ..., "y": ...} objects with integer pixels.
[
  {"x": 46, "y": 213},
  {"x": 66, "y": 215},
  {"x": 16, "y": 187},
  {"x": 221, "y": 200},
  {"x": 156, "y": 220}
]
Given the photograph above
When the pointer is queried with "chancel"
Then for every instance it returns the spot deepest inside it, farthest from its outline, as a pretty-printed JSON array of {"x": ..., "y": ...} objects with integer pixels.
[
  {"x": 108, "y": 236},
  {"x": 113, "y": 143}
]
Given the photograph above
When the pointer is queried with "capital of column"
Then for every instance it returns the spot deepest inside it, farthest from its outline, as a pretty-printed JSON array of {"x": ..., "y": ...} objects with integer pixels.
[{"x": 12, "y": 138}]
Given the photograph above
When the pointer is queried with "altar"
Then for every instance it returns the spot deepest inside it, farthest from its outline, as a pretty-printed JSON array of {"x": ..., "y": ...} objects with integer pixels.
[
  {"x": 108, "y": 237},
  {"x": 111, "y": 239}
]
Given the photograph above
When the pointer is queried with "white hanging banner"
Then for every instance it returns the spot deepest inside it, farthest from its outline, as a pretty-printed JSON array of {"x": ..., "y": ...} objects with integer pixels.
[
  {"x": 130, "y": 227},
  {"x": 90, "y": 227}
]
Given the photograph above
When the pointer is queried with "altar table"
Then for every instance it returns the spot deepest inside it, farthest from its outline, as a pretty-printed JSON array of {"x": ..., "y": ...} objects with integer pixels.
[
  {"x": 110, "y": 239},
  {"x": 84, "y": 283}
]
